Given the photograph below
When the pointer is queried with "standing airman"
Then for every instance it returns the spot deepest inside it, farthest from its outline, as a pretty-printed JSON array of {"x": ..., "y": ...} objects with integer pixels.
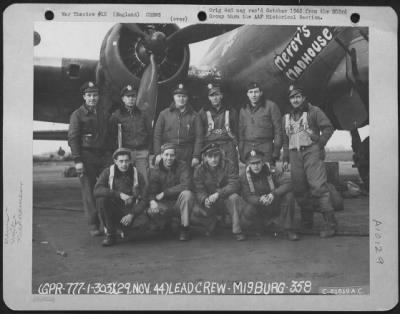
[
  {"x": 260, "y": 125},
  {"x": 219, "y": 123},
  {"x": 179, "y": 124},
  {"x": 135, "y": 130},
  {"x": 306, "y": 132},
  {"x": 88, "y": 142}
]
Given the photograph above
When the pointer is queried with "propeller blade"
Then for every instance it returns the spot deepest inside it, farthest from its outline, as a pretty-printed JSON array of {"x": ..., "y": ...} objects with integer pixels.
[
  {"x": 197, "y": 32},
  {"x": 148, "y": 89},
  {"x": 133, "y": 27}
]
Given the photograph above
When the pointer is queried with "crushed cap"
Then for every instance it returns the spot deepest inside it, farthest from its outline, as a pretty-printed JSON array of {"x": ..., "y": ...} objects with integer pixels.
[
  {"x": 253, "y": 85},
  {"x": 128, "y": 90},
  {"x": 89, "y": 87},
  {"x": 213, "y": 89},
  {"x": 166, "y": 146},
  {"x": 211, "y": 148},
  {"x": 294, "y": 90},
  {"x": 254, "y": 156},
  {"x": 121, "y": 151}
]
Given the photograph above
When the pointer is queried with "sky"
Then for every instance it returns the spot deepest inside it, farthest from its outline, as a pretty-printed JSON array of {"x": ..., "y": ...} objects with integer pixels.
[{"x": 82, "y": 40}]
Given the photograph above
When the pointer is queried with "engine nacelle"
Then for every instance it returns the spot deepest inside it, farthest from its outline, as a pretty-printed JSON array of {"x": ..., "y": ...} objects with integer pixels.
[{"x": 124, "y": 56}]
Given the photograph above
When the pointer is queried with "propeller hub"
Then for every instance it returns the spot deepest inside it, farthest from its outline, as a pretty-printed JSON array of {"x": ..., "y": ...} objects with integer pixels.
[
  {"x": 157, "y": 43},
  {"x": 142, "y": 53}
]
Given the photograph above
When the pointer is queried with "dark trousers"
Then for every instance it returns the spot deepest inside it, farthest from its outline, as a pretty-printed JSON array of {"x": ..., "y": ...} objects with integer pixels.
[
  {"x": 280, "y": 211},
  {"x": 232, "y": 205},
  {"x": 112, "y": 211},
  {"x": 181, "y": 207},
  {"x": 94, "y": 163},
  {"x": 185, "y": 153},
  {"x": 309, "y": 176}
]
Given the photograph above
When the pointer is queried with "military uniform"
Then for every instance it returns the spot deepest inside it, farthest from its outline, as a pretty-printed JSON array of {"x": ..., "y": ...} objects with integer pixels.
[
  {"x": 260, "y": 128},
  {"x": 306, "y": 132},
  {"x": 107, "y": 191},
  {"x": 220, "y": 127},
  {"x": 136, "y": 133},
  {"x": 180, "y": 128},
  {"x": 88, "y": 142},
  {"x": 175, "y": 183},
  {"x": 224, "y": 180},
  {"x": 256, "y": 186}
]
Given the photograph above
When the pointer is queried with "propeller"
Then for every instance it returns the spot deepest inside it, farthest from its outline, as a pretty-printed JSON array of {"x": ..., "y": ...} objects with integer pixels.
[
  {"x": 154, "y": 48},
  {"x": 134, "y": 28},
  {"x": 148, "y": 89}
]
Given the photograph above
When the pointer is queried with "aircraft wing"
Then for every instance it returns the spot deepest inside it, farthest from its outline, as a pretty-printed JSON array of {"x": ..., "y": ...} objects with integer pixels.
[
  {"x": 56, "y": 135},
  {"x": 56, "y": 87}
]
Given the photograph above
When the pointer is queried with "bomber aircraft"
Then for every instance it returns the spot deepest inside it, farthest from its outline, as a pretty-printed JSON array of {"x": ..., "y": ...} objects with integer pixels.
[{"x": 330, "y": 62}]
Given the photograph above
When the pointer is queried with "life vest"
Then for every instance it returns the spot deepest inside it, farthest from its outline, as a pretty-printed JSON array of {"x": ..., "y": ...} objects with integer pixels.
[
  {"x": 250, "y": 180},
  {"x": 211, "y": 124},
  {"x": 297, "y": 131},
  {"x": 135, "y": 186}
]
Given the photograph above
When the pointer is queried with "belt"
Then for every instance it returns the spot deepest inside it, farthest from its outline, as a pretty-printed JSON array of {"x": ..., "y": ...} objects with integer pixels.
[
  {"x": 218, "y": 131},
  {"x": 301, "y": 148},
  {"x": 260, "y": 141}
]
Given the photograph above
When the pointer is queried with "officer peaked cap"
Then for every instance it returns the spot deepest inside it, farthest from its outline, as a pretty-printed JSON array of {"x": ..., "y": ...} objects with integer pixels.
[
  {"x": 180, "y": 89},
  {"x": 254, "y": 155},
  {"x": 128, "y": 90},
  {"x": 253, "y": 85},
  {"x": 213, "y": 88},
  {"x": 89, "y": 87},
  {"x": 295, "y": 89},
  {"x": 211, "y": 148}
]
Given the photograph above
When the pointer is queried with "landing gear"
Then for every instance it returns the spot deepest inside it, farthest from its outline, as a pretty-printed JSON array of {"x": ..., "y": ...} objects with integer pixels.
[{"x": 361, "y": 156}]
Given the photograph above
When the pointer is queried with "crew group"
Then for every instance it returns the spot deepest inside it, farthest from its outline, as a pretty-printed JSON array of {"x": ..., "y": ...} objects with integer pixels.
[{"x": 196, "y": 165}]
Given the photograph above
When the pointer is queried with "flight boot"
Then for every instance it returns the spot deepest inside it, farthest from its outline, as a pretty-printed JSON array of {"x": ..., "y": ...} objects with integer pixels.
[
  {"x": 184, "y": 233},
  {"x": 307, "y": 219},
  {"x": 239, "y": 236},
  {"x": 306, "y": 211},
  {"x": 95, "y": 231},
  {"x": 110, "y": 240},
  {"x": 330, "y": 225},
  {"x": 211, "y": 226},
  {"x": 292, "y": 235}
]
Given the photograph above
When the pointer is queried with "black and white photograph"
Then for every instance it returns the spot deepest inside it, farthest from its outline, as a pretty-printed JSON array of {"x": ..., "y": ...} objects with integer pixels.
[{"x": 201, "y": 159}]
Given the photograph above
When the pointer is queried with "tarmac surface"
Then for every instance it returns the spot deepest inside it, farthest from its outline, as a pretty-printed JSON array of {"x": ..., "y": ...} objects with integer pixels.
[{"x": 64, "y": 252}]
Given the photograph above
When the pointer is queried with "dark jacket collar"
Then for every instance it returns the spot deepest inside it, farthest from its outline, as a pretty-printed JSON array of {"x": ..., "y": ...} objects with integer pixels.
[
  {"x": 209, "y": 107},
  {"x": 220, "y": 166},
  {"x": 135, "y": 110},
  {"x": 86, "y": 109},
  {"x": 129, "y": 173},
  {"x": 303, "y": 108},
  {"x": 188, "y": 110},
  {"x": 261, "y": 103},
  {"x": 164, "y": 169},
  {"x": 264, "y": 172}
]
